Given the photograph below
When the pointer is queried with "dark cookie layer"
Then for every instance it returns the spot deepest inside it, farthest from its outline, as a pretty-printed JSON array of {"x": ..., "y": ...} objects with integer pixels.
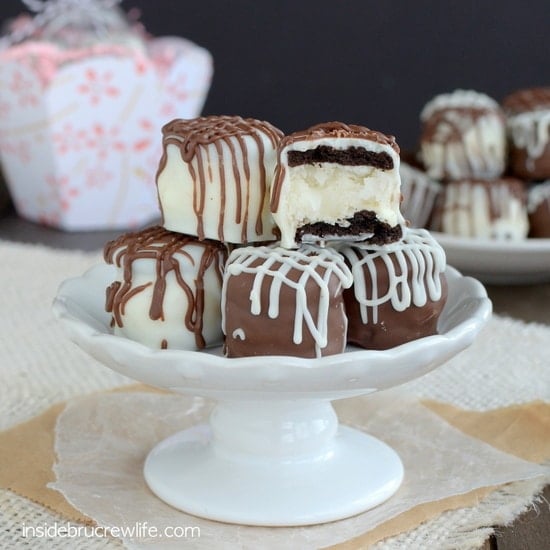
[
  {"x": 352, "y": 156},
  {"x": 362, "y": 222}
]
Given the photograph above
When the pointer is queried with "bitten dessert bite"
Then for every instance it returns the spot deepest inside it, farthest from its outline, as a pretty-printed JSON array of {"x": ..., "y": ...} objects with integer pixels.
[
  {"x": 538, "y": 206},
  {"x": 167, "y": 292},
  {"x": 420, "y": 193},
  {"x": 528, "y": 113},
  {"x": 487, "y": 209},
  {"x": 399, "y": 290},
  {"x": 214, "y": 177},
  {"x": 284, "y": 302},
  {"x": 463, "y": 136},
  {"x": 337, "y": 181}
]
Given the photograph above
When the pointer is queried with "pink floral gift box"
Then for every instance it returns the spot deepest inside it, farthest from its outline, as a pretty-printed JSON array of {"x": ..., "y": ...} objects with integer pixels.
[{"x": 81, "y": 108}]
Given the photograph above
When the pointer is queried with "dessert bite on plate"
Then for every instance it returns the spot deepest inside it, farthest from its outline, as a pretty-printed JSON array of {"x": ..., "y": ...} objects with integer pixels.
[
  {"x": 528, "y": 120},
  {"x": 398, "y": 292},
  {"x": 277, "y": 301},
  {"x": 494, "y": 209},
  {"x": 214, "y": 178},
  {"x": 335, "y": 196},
  {"x": 336, "y": 181},
  {"x": 167, "y": 290},
  {"x": 463, "y": 136}
]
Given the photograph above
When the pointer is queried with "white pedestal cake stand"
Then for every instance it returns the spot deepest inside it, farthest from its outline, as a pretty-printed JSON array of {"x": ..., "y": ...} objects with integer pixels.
[{"x": 273, "y": 453}]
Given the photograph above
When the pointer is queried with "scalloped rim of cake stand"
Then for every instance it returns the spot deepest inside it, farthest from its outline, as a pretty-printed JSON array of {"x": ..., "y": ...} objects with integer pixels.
[{"x": 79, "y": 305}]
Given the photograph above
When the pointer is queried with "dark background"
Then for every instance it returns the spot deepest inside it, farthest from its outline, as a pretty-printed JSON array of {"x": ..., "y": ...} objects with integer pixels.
[{"x": 296, "y": 63}]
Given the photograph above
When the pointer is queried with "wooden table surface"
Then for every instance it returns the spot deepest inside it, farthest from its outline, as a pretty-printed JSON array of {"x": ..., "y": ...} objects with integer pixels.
[{"x": 531, "y": 531}]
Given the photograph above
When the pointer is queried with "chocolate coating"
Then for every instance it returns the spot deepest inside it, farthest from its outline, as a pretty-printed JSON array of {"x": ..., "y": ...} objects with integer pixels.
[
  {"x": 527, "y": 167},
  {"x": 528, "y": 123},
  {"x": 339, "y": 130},
  {"x": 527, "y": 100},
  {"x": 280, "y": 302},
  {"x": 539, "y": 210},
  {"x": 395, "y": 327},
  {"x": 398, "y": 291}
]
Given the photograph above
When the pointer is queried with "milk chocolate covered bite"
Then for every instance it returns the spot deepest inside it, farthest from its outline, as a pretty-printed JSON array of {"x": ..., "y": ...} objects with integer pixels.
[
  {"x": 528, "y": 113},
  {"x": 463, "y": 136},
  {"x": 337, "y": 181},
  {"x": 538, "y": 206},
  {"x": 398, "y": 293},
  {"x": 487, "y": 209},
  {"x": 214, "y": 177},
  {"x": 420, "y": 193},
  {"x": 168, "y": 289},
  {"x": 284, "y": 302}
]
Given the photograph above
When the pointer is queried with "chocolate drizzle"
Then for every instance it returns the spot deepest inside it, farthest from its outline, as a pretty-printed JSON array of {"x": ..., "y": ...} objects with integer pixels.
[
  {"x": 193, "y": 137},
  {"x": 528, "y": 100},
  {"x": 340, "y": 130},
  {"x": 167, "y": 250},
  {"x": 478, "y": 208}
]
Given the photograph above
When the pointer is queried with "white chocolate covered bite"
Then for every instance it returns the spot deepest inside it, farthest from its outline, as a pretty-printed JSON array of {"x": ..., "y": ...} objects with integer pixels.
[
  {"x": 167, "y": 291},
  {"x": 485, "y": 209},
  {"x": 214, "y": 178},
  {"x": 463, "y": 136}
]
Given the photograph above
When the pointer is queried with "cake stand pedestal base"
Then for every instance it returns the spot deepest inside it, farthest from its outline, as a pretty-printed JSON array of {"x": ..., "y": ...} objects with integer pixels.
[{"x": 273, "y": 463}]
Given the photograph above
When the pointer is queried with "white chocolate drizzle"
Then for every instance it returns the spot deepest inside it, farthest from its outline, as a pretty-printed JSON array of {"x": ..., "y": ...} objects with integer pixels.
[
  {"x": 314, "y": 263},
  {"x": 414, "y": 267},
  {"x": 530, "y": 131},
  {"x": 239, "y": 333},
  {"x": 458, "y": 99},
  {"x": 537, "y": 195}
]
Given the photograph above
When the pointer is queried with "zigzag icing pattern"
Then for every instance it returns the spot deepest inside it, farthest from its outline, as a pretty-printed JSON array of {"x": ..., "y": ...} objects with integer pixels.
[{"x": 314, "y": 263}]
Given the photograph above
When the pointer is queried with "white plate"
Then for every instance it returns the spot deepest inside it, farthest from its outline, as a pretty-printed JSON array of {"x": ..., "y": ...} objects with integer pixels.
[
  {"x": 498, "y": 262},
  {"x": 274, "y": 453}
]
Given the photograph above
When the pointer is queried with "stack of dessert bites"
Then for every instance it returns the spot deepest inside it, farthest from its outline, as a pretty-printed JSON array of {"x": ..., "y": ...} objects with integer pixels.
[
  {"x": 276, "y": 245},
  {"x": 482, "y": 167},
  {"x": 212, "y": 183}
]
